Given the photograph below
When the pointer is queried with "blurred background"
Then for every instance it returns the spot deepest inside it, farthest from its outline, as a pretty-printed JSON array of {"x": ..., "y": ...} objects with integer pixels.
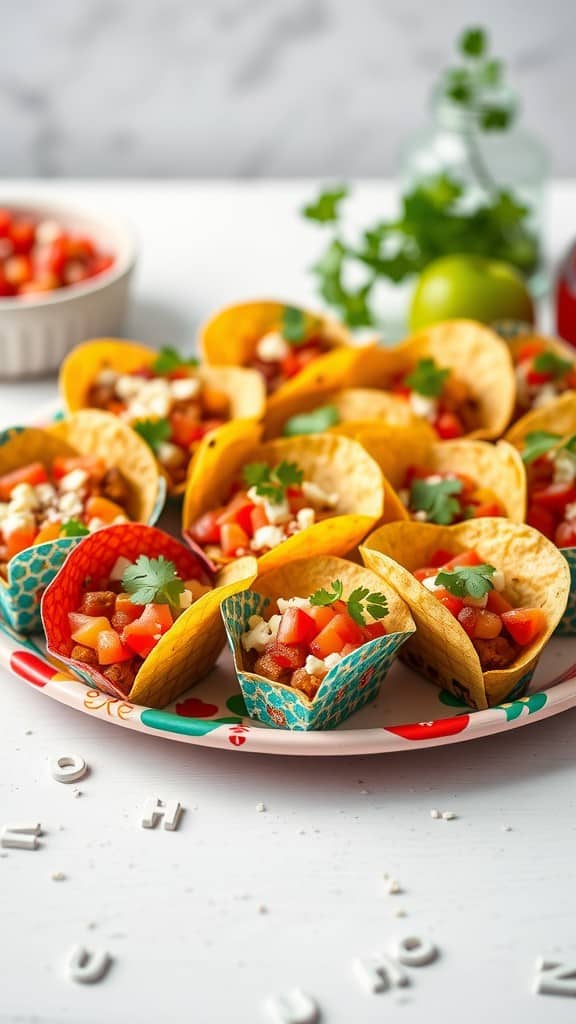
[{"x": 256, "y": 88}]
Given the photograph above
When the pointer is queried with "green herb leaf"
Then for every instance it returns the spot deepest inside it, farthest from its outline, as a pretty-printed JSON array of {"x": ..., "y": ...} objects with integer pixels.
[
  {"x": 473, "y": 42},
  {"x": 436, "y": 500},
  {"x": 154, "y": 432},
  {"x": 325, "y": 597},
  {"x": 74, "y": 528},
  {"x": 169, "y": 359},
  {"x": 427, "y": 378},
  {"x": 495, "y": 119},
  {"x": 538, "y": 443},
  {"x": 376, "y": 605},
  {"x": 326, "y": 208},
  {"x": 315, "y": 422},
  {"x": 549, "y": 362},
  {"x": 294, "y": 325},
  {"x": 153, "y": 581},
  {"x": 272, "y": 482},
  {"x": 467, "y": 580}
]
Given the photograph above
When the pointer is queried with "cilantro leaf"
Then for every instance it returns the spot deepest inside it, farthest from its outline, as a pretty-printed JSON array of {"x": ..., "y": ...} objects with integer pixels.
[
  {"x": 74, "y": 528},
  {"x": 294, "y": 325},
  {"x": 153, "y": 581},
  {"x": 473, "y": 42},
  {"x": 538, "y": 443},
  {"x": 549, "y": 362},
  {"x": 272, "y": 482},
  {"x": 467, "y": 580},
  {"x": 324, "y": 597},
  {"x": 436, "y": 500},
  {"x": 376, "y": 605},
  {"x": 315, "y": 422},
  {"x": 154, "y": 432},
  {"x": 169, "y": 359},
  {"x": 325, "y": 208},
  {"x": 427, "y": 378}
]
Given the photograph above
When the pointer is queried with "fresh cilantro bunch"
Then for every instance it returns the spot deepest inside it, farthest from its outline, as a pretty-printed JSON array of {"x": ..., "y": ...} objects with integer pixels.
[
  {"x": 474, "y": 84},
  {"x": 437, "y": 500},
  {"x": 360, "y": 602},
  {"x": 154, "y": 432},
  {"x": 153, "y": 581},
  {"x": 467, "y": 580},
  {"x": 169, "y": 360},
  {"x": 272, "y": 481},
  {"x": 427, "y": 378}
]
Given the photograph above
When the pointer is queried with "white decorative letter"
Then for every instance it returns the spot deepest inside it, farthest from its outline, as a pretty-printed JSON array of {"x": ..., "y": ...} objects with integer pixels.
[
  {"x": 155, "y": 809},
  {"x": 378, "y": 973},
  {"x": 21, "y": 836},
  {"x": 555, "y": 978},
  {"x": 68, "y": 768},
  {"x": 294, "y": 1008},
  {"x": 415, "y": 952},
  {"x": 87, "y": 967}
]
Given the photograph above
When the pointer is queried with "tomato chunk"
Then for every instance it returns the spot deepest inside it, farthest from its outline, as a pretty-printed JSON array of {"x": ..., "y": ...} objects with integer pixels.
[
  {"x": 450, "y": 601},
  {"x": 111, "y": 649},
  {"x": 349, "y": 630},
  {"x": 448, "y": 426},
  {"x": 19, "y": 540},
  {"x": 541, "y": 519},
  {"x": 464, "y": 559},
  {"x": 288, "y": 655},
  {"x": 141, "y": 637},
  {"x": 233, "y": 537},
  {"x": 296, "y": 627},
  {"x": 85, "y": 629},
  {"x": 328, "y": 641},
  {"x": 374, "y": 630},
  {"x": 159, "y": 615},
  {"x": 321, "y": 615},
  {"x": 206, "y": 529},
  {"x": 555, "y": 496},
  {"x": 498, "y": 604},
  {"x": 34, "y": 473},
  {"x": 64, "y": 464},
  {"x": 524, "y": 624},
  {"x": 565, "y": 535}
]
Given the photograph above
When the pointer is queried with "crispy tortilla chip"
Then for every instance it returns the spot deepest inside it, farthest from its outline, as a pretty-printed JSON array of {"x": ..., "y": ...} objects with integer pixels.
[
  {"x": 536, "y": 576},
  {"x": 354, "y": 405},
  {"x": 350, "y": 684},
  {"x": 558, "y": 417},
  {"x": 337, "y": 464},
  {"x": 477, "y": 356},
  {"x": 191, "y": 646},
  {"x": 498, "y": 467}
]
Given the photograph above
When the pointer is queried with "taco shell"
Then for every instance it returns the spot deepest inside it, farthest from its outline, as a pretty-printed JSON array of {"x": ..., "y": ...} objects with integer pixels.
[
  {"x": 191, "y": 646},
  {"x": 353, "y": 405},
  {"x": 558, "y": 417},
  {"x": 536, "y": 576},
  {"x": 336, "y": 464},
  {"x": 349, "y": 685}
]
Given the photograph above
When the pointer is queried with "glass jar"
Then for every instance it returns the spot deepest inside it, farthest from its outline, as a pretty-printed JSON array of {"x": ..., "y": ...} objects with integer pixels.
[{"x": 484, "y": 165}]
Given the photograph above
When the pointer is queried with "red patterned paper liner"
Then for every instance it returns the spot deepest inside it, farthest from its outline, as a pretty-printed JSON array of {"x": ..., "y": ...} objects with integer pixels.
[{"x": 95, "y": 557}]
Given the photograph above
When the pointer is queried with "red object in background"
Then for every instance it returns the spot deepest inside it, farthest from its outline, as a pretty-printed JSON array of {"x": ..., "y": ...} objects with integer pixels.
[{"x": 566, "y": 298}]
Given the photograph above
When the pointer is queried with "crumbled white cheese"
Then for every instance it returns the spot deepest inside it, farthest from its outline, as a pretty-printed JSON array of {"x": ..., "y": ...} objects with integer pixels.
[
  {"x": 47, "y": 231},
  {"x": 332, "y": 659},
  {"x": 4, "y": 511},
  {"x": 70, "y": 504},
  {"x": 170, "y": 454},
  {"x": 570, "y": 510},
  {"x": 127, "y": 387},
  {"x": 293, "y": 602},
  {"x": 420, "y": 516},
  {"x": 185, "y": 388},
  {"x": 276, "y": 512},
  {"x": 546, "y": 394},
  {"x": 404, "y": 496},
  {"x": 435, "y": 478},
  {"x": 23, "y": 498},
  {"x": 430, "y": 583},
  {"x": 305, "y": 517},
  {"x": 45, "y": 494},
  {"x": 272, "y": 347},
  {"x": 267, "y": 537},
  {"x": 564, "y": 467},
  {"x": 421, "y": 405},
  {"x": 107, "y": 377},
  {"x": 314, "y": 493},
  {"x": 153, "y": 401},
  {"x": 16, "y": 521},
  {"x": 258, "y": 636},
  {"x": 315, "y": 666},
  {"x": 185, "y": 599},
  {"x": 95, "y": 524},
  {"x": 75, "y": 481}
]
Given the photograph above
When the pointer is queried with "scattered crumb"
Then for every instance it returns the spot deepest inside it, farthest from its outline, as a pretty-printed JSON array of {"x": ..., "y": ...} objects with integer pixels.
[
  {"x": 92, "y": 925},
  {"x": 301, "y": 832},
  {"x": 435, "y": 813},
  {"x": 260, "y": 808},
  {"x": 449, "y": 815},
  {"x": 364, "y": 792},
  {"x": 58, "y": 876},
  {"x": 507, "y": 828},
  {"x": 28, "y": 732},
  {"x": 392, "y": 886},
  {"x": 400, "y": 912},
  {"x": 262, "y": 908},
  {"x": 76, "y": 792}
]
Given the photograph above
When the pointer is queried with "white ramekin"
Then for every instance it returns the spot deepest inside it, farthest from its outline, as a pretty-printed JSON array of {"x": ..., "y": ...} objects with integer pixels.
[{"x": 37, "y": 332}]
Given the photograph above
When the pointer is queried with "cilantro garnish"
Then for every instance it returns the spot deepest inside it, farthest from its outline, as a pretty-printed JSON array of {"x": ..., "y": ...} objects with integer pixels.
[
  {"x": 154, "y": 432},
  {"x": 360, "y": 602},
  {"x": 153, "y": 581},
  {"x": 326, "y": 208},
  {"x": 467, "y": 580},
  {"x": 294, "y": 328},
  {"x": 74, "y": 528},
  {"x": 436, "y": 500},
  {"x": 169, "y": 359},
  {"x": 315, "y": 422},
  {"x": 272, "y": 481},
  {"x": 549, "y": 362},
  {"x": 427, "y": 378},
  {"x": 538, "y": 443}
]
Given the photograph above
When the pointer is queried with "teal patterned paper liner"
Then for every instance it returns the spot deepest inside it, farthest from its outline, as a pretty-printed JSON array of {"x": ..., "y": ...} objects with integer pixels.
[
  {"x": 347, "y": 687},
  {"x": 567, "y": 624}
]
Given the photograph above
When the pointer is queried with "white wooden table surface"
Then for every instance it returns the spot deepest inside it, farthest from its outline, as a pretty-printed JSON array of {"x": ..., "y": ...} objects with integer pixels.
[{"x": 182, "y": 912}]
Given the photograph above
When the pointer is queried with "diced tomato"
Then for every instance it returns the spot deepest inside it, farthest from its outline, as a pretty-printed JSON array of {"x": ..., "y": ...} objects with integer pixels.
[
  {"x": 448, "y": 426},
  {"x": 186, "y": 427},
  {"x": 452, "y": 603},
  {"x": 296, "y": 627},
  {"x": 100, "y": 264},
  {"x": 401, "y": 391},
  {"x": 423, "y": 574},
  {"x": 488, "y": 625},
  {"x": 524, "y": 624},
  {"x": 489, "y": 508},
  {"x": 440, "y": 557},
  {"x": 5, "y": 222},
  {"x": 91, "y": 464},
  {"x": 529, "y": 349},
  {"x": 290, "y": 365},
  {"x": 328, "y": 641},
  {"x": 111, "y": 649},
  {"x": 288, "y": 656},
  {"x": 498, "y": 604},
  {"x": 258, "y": 518},
  {"x": 34, "y": 473},
  {"x": 124, "y": 605},
  {"x": 374, "y": 630},
  {"x": 233, "y": 537},
  {"x": 19, "y": 540},
  {"x": 565, "y": 535},
  {"x": 22, "y": 234},
  {"x": 541, "y": 519},
  {"x": 349, "y": 630},
  {"x": 238, "y": 510},
  {"x": 85, "y": 629},
  {"x": 159, "y": 615},
  {"x": 468, "y": 617},
  {"x": 98, "y": 507},
  {"x": 321, "y": 615},
  {"x": 141, "y": 637},
  {"x": 555, "y": 496},
  {"x": 18, "y": 270},
  {"x": 464, "y": 559},
  {"x": 535, "y": 378},
  {"x": 206, "y": 529},
  {"x": 51, "y": 531},
  {"x": 348, "y": 649}
]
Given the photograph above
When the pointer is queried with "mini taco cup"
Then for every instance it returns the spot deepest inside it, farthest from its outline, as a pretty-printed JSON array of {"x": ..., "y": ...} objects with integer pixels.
[
  {"x": 193, "y": 643},
  {"x": 242, "y": 389},
  {"x": 353, "y": 682},
  {"x": 496, "y": 469},
  {"x": 231, "y": 336},
  {"x": 86, "y": 433},
  {"x": 336, "y": 464},
  {"x": 524, "y": 346},
  {"x": 477, "y": 357},
  {"x": 536, "y": 576},
  {"x": 346, "y": 408},
  {"x": 558, "y": 417}
]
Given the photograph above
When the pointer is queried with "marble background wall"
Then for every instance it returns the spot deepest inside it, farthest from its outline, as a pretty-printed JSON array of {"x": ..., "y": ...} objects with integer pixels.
[{"x": 255, "y": 87}]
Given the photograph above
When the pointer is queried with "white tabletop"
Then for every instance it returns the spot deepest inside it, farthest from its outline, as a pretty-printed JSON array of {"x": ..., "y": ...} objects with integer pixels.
[{"x": 205, "y": 922}]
